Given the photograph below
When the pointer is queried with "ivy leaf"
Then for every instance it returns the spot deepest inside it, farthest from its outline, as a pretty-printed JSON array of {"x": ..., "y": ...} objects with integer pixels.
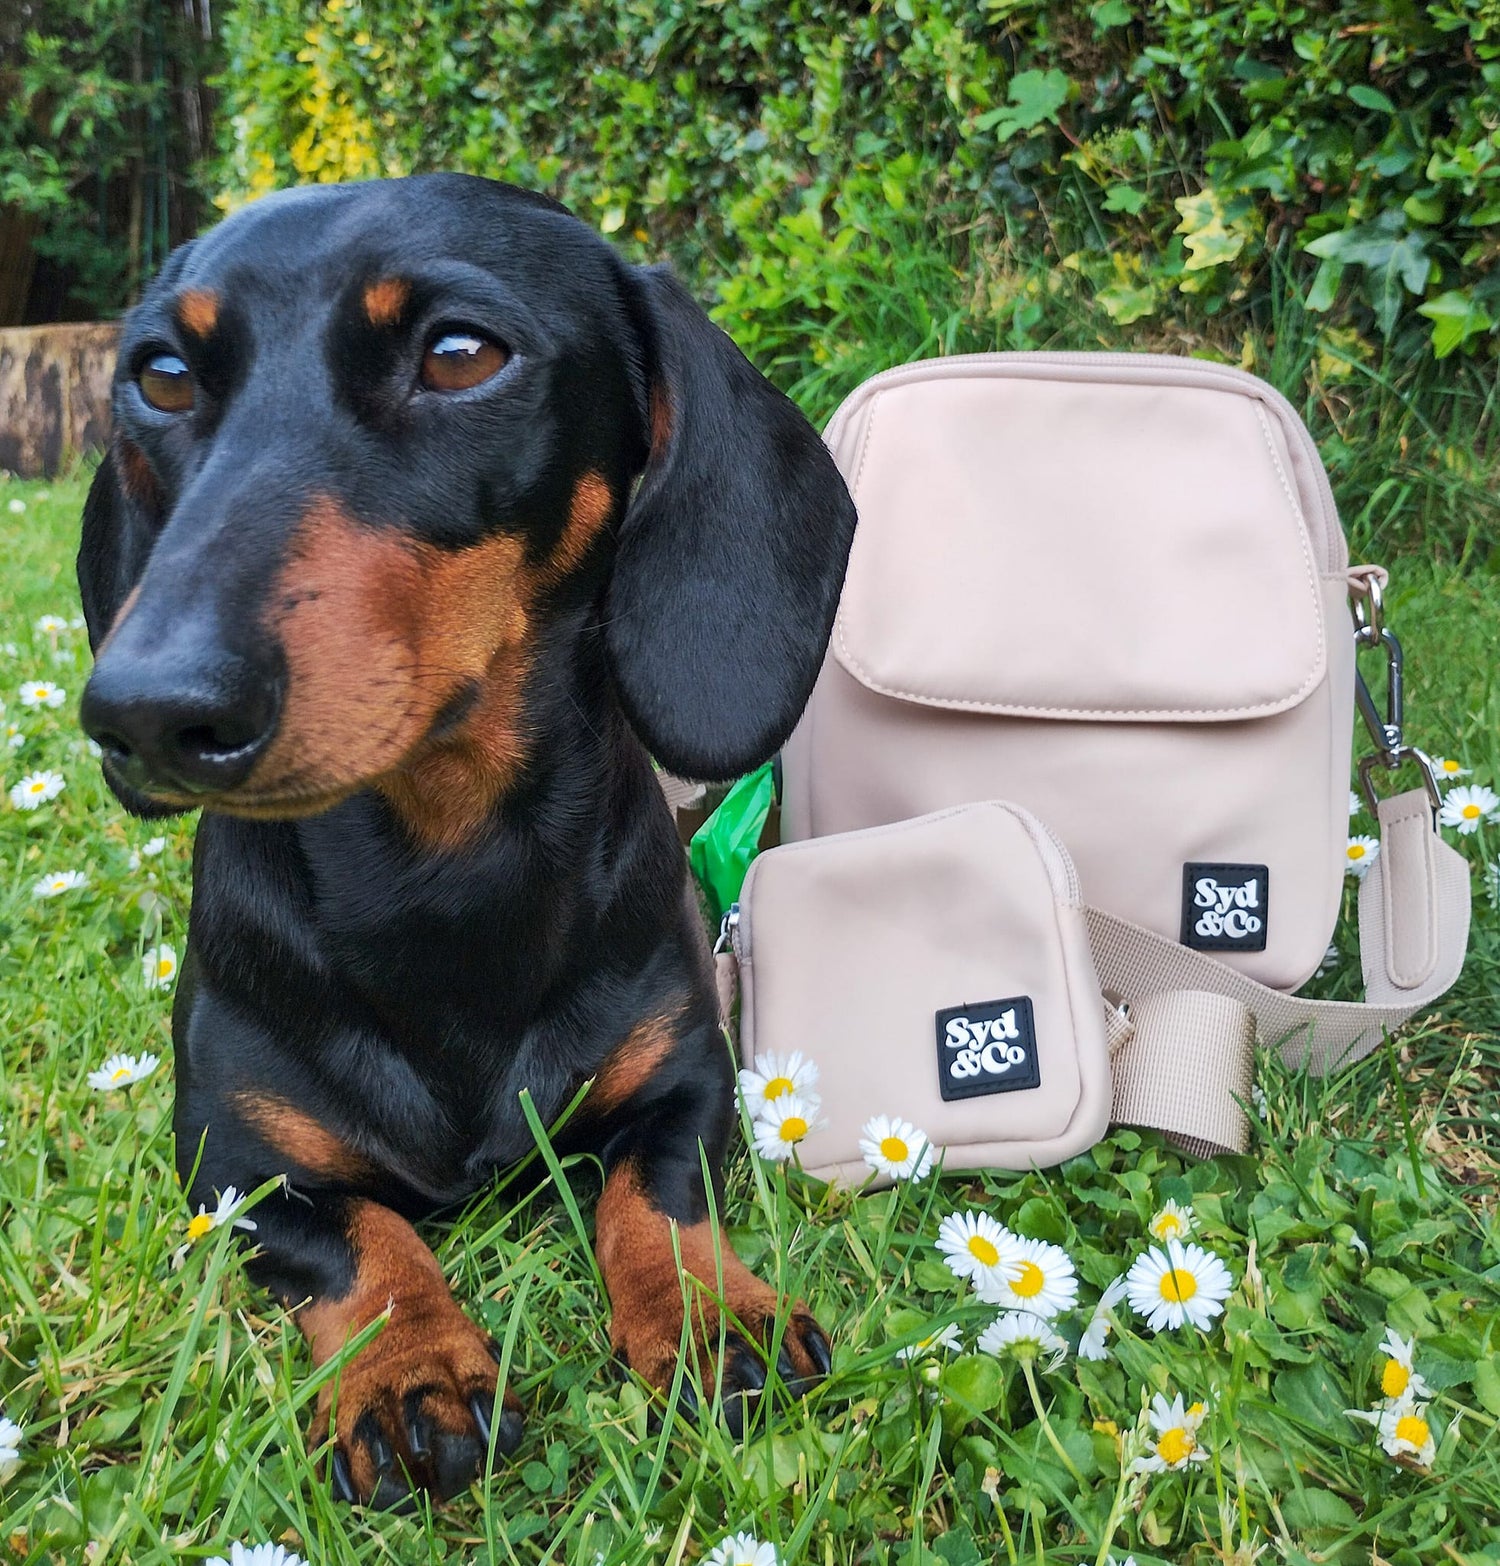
[
  {"x": 1207, "y": 237},
  {"x": 1035, "y": 98},
  {"x": 1456, "y": 316}
]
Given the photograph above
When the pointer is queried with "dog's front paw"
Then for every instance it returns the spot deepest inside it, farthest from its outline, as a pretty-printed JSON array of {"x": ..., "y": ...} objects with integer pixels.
[
  {"x": 414, "y": 1410},
  {"x": 647, "y": 1334}
]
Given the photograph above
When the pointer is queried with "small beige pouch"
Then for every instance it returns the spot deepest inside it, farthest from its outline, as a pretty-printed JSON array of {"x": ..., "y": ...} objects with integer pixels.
[{"x": 938, "y": 970}]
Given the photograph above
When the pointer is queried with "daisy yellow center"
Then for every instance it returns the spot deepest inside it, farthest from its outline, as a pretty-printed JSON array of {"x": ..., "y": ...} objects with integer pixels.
[
  {"x": 1178, "y": 1285},
  {"x": 119, "y": 1073},
  {"x": 1167, "y": 1227},
  {"x": 164, "y": 967},
  {"x": 1450, "y": 766},
  {"x": 793, "y": 1128},
  {"x": 1356, "y": 850},
  {"x": 894, "y": 1150},
  {"x": 1030, "y": 1282},
  {"x": 1176, "y": 1446},
  {"x": 1470, "y": 812},
  {"x": 983, "y": 1250},
  {"x": 1393, "y": 1378},
  {"x": 38, "y": 787},
  {"x": 199, "y": 1226},
  {"x": 1410, "y": 1428},
  {"x": 777, "y": 1086}
]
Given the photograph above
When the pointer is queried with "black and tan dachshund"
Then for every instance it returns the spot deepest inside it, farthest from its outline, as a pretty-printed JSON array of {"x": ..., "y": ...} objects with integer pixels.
[{"x": 426, "y": 523}]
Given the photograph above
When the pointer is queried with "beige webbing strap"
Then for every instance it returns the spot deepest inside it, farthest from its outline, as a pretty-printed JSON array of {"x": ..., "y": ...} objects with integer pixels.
[
  {"x": 1186, "y": 1064},
  {"x": 1165, "y": 1078}
]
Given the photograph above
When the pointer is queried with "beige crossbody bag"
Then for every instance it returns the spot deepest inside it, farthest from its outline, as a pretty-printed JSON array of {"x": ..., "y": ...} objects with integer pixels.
[{"x": 1111, "y": 591}]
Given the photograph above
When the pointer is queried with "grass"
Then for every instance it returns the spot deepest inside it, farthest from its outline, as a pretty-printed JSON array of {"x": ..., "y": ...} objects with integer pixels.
[{"x": 162, "y": 1408}]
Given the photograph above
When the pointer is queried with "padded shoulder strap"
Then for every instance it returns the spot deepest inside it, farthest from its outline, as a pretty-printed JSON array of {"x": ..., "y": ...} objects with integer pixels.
[{"x": 1186, "y": 1062}]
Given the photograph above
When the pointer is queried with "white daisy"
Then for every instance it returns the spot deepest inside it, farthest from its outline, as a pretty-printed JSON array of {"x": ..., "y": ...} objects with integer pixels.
[
  {"x": 1360, "y": 853},
  {"x": 257, "y": 1555},
  {"x": 1023, "y": 1335},
  {"x": 17, "y": 507},
  {"x": 153, "y": 846},
  {"x": 58, "y": 882},
  {"x": 934, "y": 1344},
  {"x": 1330, "y": 960},
  {"x": 1092, "y": 1345},
  {"x": 1183, "y": 1284},
  {"x": 159, "y": 967},
  {"x": 51, "y": 625},
  {"x": 895, "y": 1148},
  {"x": 742, "y": 1549},
  {"x": 1402, "y": 1428},
  {"x": 1114, "y": 1560},
  {"x": 1173, "y": 1222},
  {"x": 122, "y": 1071},
  {"x": 782, "y": 1126},
  {"x": 1398, "y": 1379},
  {"x": 978, "y": 1248},
  {"x": 1175, "y": 1444},
  {"x": 42, "y": 693},
  {"x": 1356, "y": 802},
  {"x": 774, "y": 1076},
  {"x": 1041, "y": 1280},
  {"x": 1467, "y": 806},
  {"x": 1446, "y": 767},
  {"x": 36, "y": 788},
  {"x": 11, "y": 1435},
  {"x": 203, "y": 1223},
  {"x": 13, "y": 736}
]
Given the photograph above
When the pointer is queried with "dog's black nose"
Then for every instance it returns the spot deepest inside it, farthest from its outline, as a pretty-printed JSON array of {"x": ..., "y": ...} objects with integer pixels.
[{"x": 193, "y": 731}]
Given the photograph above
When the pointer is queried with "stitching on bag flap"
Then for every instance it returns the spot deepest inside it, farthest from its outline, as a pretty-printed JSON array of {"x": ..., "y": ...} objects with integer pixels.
[{"x": 1017, "y": 709}]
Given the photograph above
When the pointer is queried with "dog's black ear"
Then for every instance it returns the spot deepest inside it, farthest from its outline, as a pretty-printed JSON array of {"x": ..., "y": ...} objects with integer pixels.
[
  {"x": 119, "y": 525},
  {"x": 118, "y": 528},
  {"x": 731, "y": 554}
]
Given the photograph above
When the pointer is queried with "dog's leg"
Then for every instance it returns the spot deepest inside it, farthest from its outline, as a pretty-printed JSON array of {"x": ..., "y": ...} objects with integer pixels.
[
  {"x": 653, "y": 1186},
  {"x": 413, "y": 1409}
]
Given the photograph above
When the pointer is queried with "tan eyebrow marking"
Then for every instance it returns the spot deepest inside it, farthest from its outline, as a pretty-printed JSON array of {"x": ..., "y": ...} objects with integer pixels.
[
  {"x": 385, "y": 300},
  {"x": 198, "y": 310}
]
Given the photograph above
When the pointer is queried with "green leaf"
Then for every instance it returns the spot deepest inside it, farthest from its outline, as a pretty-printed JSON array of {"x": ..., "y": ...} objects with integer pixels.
[
  {"x": 1034, "y": 99},
  {"x": 1124, "y": 198},
  {"x": 1371, "y": 98},
  {"x": 975, "y": 1382},
  {"x": 1317, "y": 1509},
  {"x": 1487, "y": 1384},
  {"x": 1313, "y": 1395},
  {"x": 1456, "y": 316}
]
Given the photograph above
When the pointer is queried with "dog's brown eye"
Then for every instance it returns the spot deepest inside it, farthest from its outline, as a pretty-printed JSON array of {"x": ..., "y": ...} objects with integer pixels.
[
  {"x": 458, "y": 360},
  {"x": 166, "y": 383}
]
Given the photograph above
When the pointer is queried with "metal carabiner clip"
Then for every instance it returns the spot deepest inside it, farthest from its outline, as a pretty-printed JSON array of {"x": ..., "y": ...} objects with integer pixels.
[{"x": 1387, "y": 733}]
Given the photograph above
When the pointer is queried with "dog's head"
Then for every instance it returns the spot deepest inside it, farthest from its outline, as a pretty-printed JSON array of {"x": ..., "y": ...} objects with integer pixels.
[{"x": 374, "y": 444}]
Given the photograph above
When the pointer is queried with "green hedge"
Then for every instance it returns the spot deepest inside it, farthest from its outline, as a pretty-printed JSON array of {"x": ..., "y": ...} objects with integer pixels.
[{"x": 1178, "y": 163}]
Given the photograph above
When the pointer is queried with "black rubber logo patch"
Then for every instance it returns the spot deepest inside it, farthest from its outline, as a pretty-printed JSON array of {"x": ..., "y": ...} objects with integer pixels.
[
  {"x": 989, "y": 1047},
  {"x": 1224, "y": 907}
]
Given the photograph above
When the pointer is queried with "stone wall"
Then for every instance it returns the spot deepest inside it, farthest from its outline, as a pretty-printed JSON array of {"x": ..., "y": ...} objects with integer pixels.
[{"x": 54, "y": 394}]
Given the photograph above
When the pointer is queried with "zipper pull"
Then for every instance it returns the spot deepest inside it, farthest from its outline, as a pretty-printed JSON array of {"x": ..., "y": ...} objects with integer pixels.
[{"x": 728, "y": 928}]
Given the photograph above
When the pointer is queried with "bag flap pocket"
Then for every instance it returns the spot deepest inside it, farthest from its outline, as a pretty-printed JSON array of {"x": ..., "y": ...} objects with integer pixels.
[{"x": 1128, "y": 551}]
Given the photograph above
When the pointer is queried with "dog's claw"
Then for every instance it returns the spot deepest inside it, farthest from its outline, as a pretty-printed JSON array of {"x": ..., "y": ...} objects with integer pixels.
[
  {"x": 512, "y": 1427},
  {"x": 482, "y": 1417},
  {"x": 343, "y": 1482},
  {"x": 419, "y": 1436},
  {"x": 818, "y": 1350}
]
